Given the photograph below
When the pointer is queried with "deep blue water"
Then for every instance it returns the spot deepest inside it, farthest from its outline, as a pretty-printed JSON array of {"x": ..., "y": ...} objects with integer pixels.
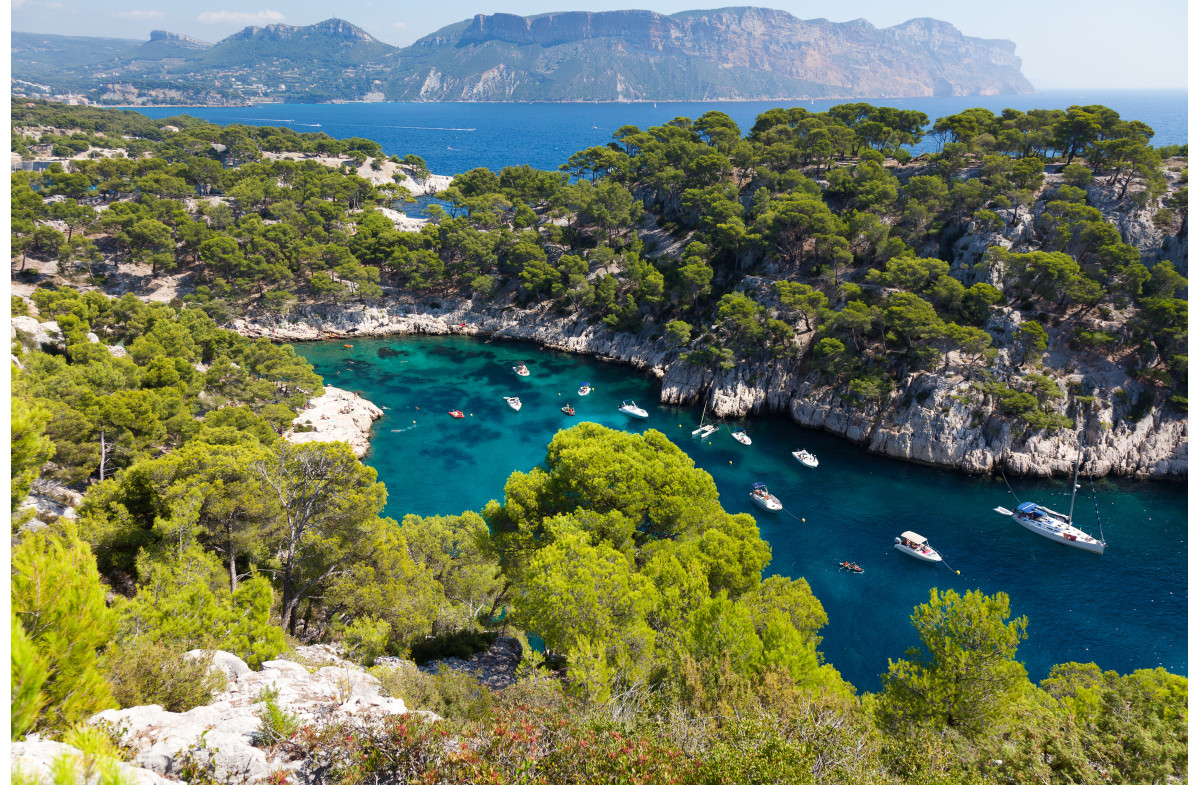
[
  {"x": 455, "y": 137},
  {"x": 1124, "y": 610}
]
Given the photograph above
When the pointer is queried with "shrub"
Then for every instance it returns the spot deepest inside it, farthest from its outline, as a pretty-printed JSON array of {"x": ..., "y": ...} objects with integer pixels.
[
  {"x": 28, "y": 673},
  {"x": 142, "y": 672},
  {"x": 365, "y": 639},
  {"x": 450, "y": 694},
  {"x": 59, "y": 600},
  {"x": 463, "y": 644},
  {"x": 277, "y": 724}
]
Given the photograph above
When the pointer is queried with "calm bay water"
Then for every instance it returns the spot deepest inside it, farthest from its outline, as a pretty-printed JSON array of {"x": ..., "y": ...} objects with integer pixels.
[
  {"x": 455, "y": 137},
  {"x": 1124, "y": 610}
]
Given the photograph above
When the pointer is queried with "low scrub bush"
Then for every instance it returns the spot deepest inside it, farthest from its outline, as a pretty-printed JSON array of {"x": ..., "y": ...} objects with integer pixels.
[{"x": 142, "y": 672}]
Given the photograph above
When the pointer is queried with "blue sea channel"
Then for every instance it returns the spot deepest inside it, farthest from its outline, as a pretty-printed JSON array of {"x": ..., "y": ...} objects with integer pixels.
[{"x": 1124, "y": 610}]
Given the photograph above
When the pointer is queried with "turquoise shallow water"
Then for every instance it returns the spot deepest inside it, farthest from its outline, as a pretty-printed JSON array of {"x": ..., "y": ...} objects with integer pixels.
[{"x": 1124, "y": 610}]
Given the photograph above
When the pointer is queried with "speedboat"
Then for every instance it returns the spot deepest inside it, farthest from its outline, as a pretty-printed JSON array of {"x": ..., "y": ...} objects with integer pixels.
[
  {"x": 741, "y": 435},
  {"x": 917, "y": 547},
  {"x": 632, "y": 409},
  {"x": 456, "y": 414},
  {"x": 850, "y": 566},
  {"x": 704, "y": 431},
  {"x": 1054, "y": 525},
  {"x": 568, "y": 410},
  {"x": 521, "y": 370},
  {"x": 805, "y": 457},
  {"x": 514, "y": 402},
  {"x": 763, "y": 498},
  {"x": 585, "y": 388}
]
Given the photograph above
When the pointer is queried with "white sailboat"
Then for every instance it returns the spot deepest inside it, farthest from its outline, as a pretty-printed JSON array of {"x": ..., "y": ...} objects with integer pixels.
[
  {"x": 1054, "y": 525},
  {"x": 706, "y": 429}
]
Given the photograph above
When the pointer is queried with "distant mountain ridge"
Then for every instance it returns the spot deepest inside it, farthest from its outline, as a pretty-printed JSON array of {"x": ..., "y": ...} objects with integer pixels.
[{"x": 742, "y": 53}]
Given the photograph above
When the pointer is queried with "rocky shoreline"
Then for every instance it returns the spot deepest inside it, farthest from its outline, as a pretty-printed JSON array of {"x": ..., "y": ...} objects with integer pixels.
[
  {"x": 336, "y": 416},
  {"x": 928, "y": 418}
]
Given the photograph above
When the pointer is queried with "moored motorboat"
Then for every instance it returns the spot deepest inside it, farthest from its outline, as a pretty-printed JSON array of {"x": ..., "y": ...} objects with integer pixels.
[
  {"x": 585, "y": 388},
  {"x": 514, "y": 402},
  {"x": 740, "y": 435},
  {"x": 456, "y": 414},
  {"x": 805, "y": 457},
  {"x": 568, "y": 410},
  {"x": 632, "y": 409},
  {"x": 520, "y": 369},
  {"x": 763, "y": 498},
  {"x": 916, "y": 546}
]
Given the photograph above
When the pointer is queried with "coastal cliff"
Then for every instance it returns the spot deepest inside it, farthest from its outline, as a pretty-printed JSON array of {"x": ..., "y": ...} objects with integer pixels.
[{"x": 928, "y": 419}]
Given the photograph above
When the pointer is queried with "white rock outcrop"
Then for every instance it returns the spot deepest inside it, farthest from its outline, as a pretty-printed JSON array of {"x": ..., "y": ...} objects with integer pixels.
[
  {"x": 337, "y": 416},
  {"x": 230, "y": 726},
  {"x": 34, "y": 759}
]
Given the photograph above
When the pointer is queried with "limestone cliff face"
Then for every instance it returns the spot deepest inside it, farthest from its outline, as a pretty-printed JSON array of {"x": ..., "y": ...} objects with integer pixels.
[
  {"x": 927, "y": 419},
  {"x": 731, "y": 53}
]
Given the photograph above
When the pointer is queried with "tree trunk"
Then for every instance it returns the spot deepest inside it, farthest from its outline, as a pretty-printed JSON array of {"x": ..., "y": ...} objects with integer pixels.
[
  {"x": 232, "y": 556},
  {"x": 103, "y": 454}
]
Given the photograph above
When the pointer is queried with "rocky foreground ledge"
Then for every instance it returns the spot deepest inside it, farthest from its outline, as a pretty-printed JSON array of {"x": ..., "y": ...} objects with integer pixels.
[
  {"x": 230, "y": 726},
  {"x": 928, "y": 418}
]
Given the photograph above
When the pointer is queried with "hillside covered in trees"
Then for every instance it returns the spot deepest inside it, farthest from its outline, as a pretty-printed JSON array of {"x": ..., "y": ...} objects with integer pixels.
[
  {"x": 1023, "y": 282},
  {"x": 812, "y": 243}
]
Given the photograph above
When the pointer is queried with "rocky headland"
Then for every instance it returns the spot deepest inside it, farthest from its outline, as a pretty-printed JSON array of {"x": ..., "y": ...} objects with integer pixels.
[{"x": 336, "y": 416}]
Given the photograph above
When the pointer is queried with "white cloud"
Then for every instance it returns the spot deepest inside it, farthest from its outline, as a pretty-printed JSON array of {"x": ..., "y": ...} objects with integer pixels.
[
  {"x": 18, "y": 3},
  {"x": 242, "y": 17},
  {"x": 399, "y": 25},
  {"x": 53, "y": 6},
  {"x": 139, "y": 14}
]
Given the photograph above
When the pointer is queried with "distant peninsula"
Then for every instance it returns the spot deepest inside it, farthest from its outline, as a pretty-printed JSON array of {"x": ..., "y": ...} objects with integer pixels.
[{"x": 730, "y": 54}]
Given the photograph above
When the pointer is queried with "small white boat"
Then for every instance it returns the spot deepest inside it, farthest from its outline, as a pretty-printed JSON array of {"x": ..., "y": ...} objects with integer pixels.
[
  {"x": 585, "y": 388},
  {"x": 704, "y": 431},
  {"x": 917, "y": 547},
  {"x": 763, "y": 498},
  {"x": 632, "y": 409},
  {"x": 805, "y": 457},
  {"x": 741, "y": 436},
  {"x": 521, "y": 370},
  {"x": 514, "y": 402}
]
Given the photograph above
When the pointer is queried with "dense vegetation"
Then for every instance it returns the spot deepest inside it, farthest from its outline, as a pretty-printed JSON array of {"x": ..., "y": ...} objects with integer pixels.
[{"x": 675, "y": 660}]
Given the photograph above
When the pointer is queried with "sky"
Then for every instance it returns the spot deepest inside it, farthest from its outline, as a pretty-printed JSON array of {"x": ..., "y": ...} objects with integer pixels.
[{"x": 1112, "y": 44}]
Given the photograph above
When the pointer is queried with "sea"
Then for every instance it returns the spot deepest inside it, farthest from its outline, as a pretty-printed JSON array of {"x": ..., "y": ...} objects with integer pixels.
[
  {"x": 457, "y": 137},
  {"x": 1124, "y": 610}
]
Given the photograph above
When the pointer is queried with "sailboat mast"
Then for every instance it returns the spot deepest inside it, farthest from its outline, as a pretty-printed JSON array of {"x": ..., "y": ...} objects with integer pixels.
[{"x": 1075, "y": 479}]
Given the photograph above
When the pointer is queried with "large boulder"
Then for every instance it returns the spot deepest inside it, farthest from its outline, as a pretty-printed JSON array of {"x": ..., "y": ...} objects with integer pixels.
[
  {"x": 231, "y": 665},
  {"x": 37, "y": 333}
]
